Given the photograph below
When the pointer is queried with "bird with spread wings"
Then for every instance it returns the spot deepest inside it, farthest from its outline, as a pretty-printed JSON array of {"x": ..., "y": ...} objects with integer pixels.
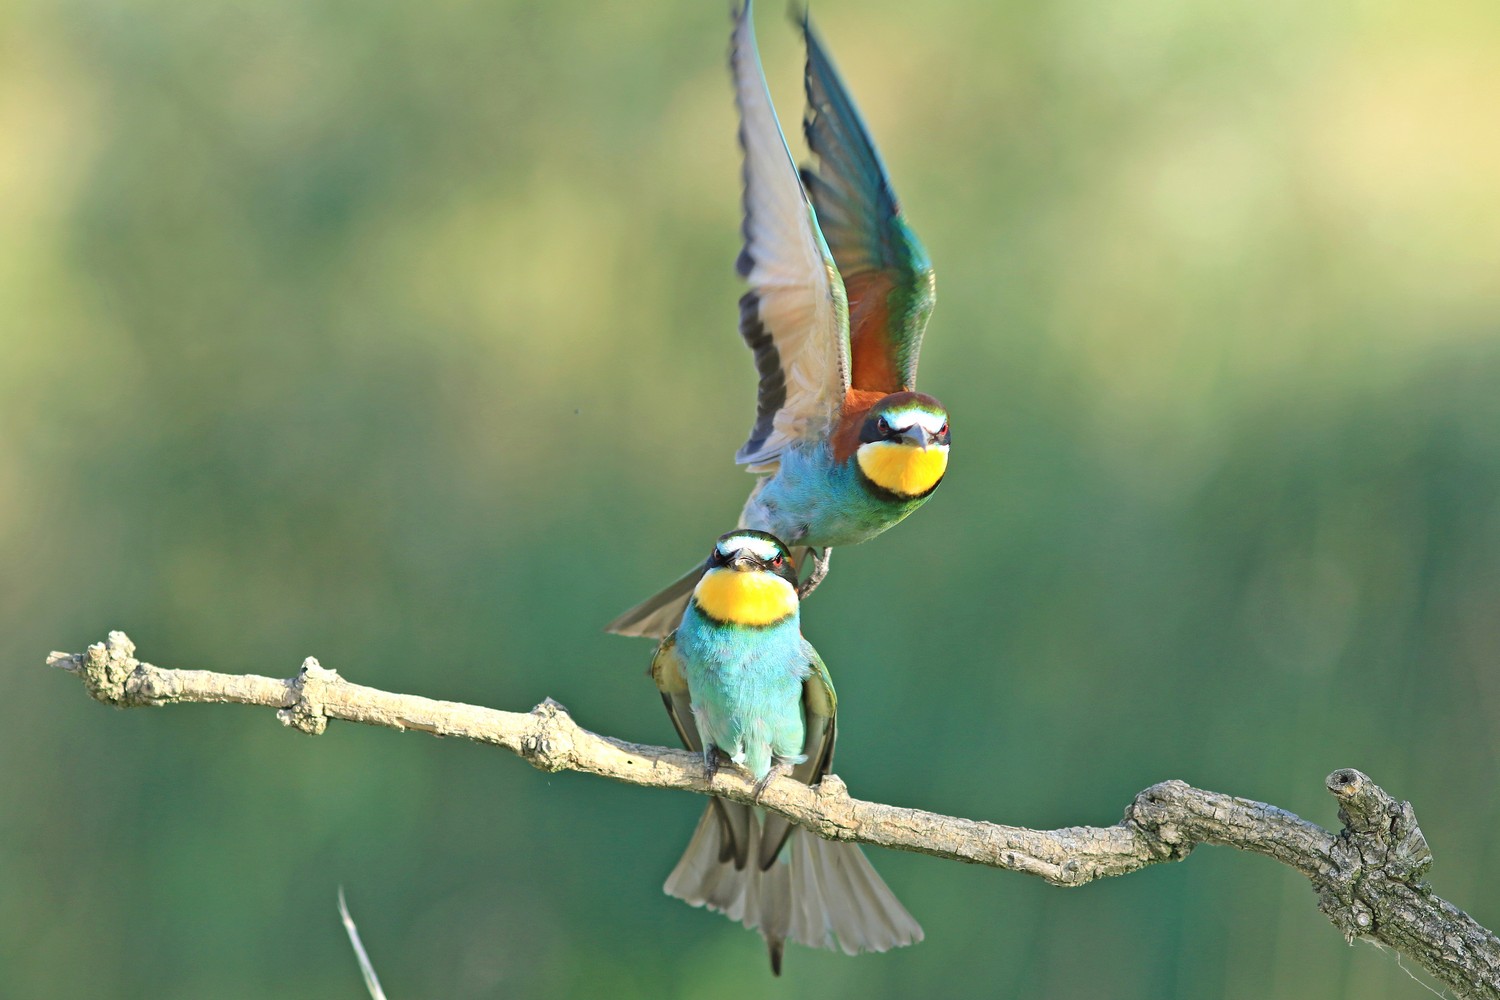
[{"x": 839, "y": 297}]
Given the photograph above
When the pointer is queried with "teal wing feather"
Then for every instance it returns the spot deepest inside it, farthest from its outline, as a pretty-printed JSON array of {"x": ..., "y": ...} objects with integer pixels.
[
  {"x": 886, "y": 272},
  {"x": 671, "y": 681},
  {"x": 819, "y": 711}
]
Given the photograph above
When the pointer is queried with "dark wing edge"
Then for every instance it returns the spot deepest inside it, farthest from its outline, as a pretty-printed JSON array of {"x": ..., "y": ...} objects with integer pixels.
[{"x": 795, "y": 316}]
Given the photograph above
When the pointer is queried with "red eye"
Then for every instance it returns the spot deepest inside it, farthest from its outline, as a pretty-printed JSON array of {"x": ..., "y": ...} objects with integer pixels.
[
  {"x": 777, "y": 561},
  {"x": 944, "y": 429}
]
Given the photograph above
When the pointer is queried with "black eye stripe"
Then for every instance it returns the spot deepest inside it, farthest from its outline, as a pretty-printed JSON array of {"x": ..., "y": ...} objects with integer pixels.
[
  {"x": 718, "y": 556},
  {"x": 879, "y": 427}
]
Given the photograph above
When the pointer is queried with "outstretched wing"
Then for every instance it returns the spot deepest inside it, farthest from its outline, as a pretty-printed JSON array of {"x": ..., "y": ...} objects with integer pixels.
[
  {"x": 819, "y": 708},
  {"x": 886, "y": 272},
  {"x": 794, "y": 317}
]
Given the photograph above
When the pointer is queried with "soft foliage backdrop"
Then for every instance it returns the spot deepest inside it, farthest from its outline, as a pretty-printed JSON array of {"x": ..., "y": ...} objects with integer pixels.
[{"x": 403, "y": 335}]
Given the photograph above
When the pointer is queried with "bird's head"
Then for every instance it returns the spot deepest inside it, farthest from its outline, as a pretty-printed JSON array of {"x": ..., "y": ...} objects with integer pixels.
[
  {"x": 749, "y": 580},
  {"x": 903, "y": 444}
]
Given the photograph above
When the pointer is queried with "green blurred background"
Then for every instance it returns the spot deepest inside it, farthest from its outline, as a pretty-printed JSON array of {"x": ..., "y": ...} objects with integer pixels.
[{"x": 402, "y": 335}]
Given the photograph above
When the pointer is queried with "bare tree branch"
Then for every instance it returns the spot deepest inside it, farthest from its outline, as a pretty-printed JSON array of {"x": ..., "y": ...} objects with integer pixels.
[{"x": 1368, "y": 876}]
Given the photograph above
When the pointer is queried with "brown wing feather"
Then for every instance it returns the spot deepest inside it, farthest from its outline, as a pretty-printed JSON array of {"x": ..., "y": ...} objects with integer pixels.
[
  {"x": 857, "y": 404},
  {"x": 872, "y": 358},
  {"x": 887, "y": 274}
]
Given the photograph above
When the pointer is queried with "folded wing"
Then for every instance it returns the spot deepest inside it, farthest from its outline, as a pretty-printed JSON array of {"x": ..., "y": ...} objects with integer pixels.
[{"x": 819, "y": 710}]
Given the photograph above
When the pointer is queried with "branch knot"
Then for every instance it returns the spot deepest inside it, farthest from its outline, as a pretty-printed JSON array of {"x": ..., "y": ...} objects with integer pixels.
[
  {"x": 545, "y": 744},
  {"x": 1380, "y": 841},
  {"x": 309, "y": 693},
  {"x": 835, "y": 819},
  {"x": 107, "y": 666},
  {"x": 1156, "y": 814},
  {"x": 109, "y": 671}
]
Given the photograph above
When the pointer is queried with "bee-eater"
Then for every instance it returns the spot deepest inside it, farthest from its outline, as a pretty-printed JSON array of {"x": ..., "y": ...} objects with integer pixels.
[
  {"x": 738, "y": 678},
  {"x": 840, "y": 292}
]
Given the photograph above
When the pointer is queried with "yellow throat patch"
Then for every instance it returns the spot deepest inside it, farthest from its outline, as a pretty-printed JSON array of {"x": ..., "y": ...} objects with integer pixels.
[
  {"x": 903, "y": 469},
  {"x": 750, "y": 598}
]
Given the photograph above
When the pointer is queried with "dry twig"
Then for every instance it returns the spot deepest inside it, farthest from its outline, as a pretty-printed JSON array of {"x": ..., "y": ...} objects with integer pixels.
[{"x": 1368, "y": 876}]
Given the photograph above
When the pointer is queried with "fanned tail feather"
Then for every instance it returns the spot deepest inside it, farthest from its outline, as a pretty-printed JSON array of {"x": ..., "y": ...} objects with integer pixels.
[
  {"x": 818, "y": 894},
  {"x": 857, "y": 907}
]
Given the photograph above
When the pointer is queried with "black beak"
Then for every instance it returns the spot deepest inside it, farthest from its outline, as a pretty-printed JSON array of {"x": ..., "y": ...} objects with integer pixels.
[
  {"x": 742, "y": 562},
  {"x": 918, "y": 435}
]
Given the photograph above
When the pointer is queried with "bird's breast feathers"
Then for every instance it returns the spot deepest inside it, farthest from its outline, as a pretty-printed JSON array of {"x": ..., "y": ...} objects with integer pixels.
[
  {"x": 737, "y": 598},
  {"x": 903, "y": 469}
]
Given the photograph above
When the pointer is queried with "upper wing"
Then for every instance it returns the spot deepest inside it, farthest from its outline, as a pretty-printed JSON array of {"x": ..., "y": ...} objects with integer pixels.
[
  {"x": 666, "y": 671},
  {"x": 794, "y": 317},
  {"x": 886, "y": 272},
  {"x": 819, "y": 708}
]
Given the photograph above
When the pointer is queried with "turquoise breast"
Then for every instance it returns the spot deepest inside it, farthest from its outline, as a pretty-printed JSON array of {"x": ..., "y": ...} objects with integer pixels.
[
  {"x": 814, "y": 501},
  {"x": 746, "y": 686}
]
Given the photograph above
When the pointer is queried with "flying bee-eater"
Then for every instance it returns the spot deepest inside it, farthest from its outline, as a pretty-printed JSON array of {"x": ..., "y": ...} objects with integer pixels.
[
  {"x": 840, "y": 292},
  {"x": 738, "y": 678}
]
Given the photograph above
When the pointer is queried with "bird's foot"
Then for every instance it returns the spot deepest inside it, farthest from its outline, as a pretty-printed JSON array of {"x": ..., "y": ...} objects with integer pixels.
[
  {"x": 778, "y": 768},
  {"x": 820, "y": 560},
  {"x": 710, "y": 762}
]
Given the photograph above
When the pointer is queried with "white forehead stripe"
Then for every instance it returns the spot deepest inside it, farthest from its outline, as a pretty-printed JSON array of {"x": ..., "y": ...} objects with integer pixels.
[
  {"x": 906, "y": 417},
  {"x": 760, "y": 548}
]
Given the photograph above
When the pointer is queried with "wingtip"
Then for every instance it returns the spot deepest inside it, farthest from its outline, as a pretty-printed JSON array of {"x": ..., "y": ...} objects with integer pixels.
[{"x": 798, "y": 12}]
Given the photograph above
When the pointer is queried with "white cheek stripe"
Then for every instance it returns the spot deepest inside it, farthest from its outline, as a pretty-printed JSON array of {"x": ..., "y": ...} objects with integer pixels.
[
  {"x": 760, "y": 548},
  {"x": 932, "y": 423}
]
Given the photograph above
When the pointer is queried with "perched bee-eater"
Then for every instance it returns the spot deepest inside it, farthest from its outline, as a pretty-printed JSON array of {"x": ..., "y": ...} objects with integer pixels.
[
  {"x": 840, "y": 292},
  {"x": 738, "y": 678}
]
